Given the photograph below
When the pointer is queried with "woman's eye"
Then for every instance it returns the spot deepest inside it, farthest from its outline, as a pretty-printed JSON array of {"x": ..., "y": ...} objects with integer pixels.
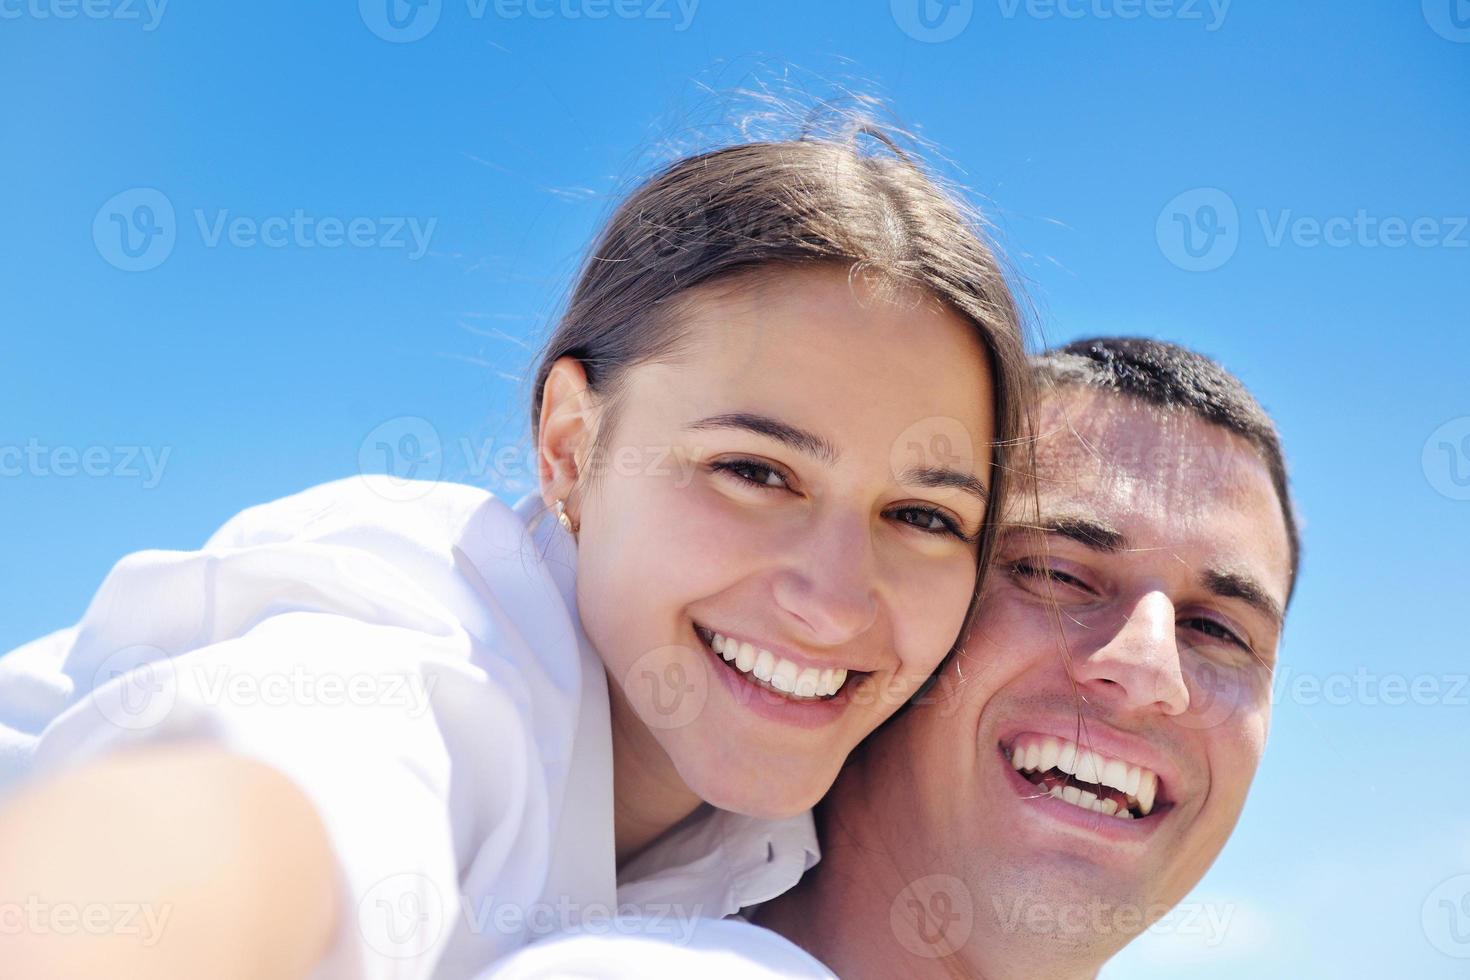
[
  {"x": 932, "y": 522},
  {"x": 1215, "y": 630},
  {"x": 751, "y": 472}
]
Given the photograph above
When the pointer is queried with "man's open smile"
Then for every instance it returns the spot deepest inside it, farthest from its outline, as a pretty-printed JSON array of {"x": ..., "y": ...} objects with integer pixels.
[{"x": 1084, "y": 778}]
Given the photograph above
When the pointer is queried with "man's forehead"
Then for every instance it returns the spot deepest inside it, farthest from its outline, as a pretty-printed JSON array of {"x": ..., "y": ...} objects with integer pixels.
[{"x": 1157, "y": 477}]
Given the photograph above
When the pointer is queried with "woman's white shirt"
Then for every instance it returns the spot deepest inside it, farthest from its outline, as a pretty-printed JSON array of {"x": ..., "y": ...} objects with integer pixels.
[
  {"x": 710, "y": 949},
  {"x": 410, "y": 654}
]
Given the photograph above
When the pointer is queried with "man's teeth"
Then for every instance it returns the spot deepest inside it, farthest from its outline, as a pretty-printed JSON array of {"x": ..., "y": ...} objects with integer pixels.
[
  {"x": 1034, "y": 756},
  {"x": 781, "y": 674}
]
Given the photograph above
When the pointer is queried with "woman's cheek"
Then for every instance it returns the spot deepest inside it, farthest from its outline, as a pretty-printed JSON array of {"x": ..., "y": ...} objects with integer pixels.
[{"x": 929, "y": 612}]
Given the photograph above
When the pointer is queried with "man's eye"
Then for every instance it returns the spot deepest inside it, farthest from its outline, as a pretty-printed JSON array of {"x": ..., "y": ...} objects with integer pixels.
[
  {"x": 751, "y": 472},
  {"x": 1215, "y": 630},
  {"x": 1038, "y": 573}
]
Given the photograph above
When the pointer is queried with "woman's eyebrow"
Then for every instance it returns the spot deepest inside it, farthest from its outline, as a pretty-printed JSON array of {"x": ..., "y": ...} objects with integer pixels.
[
  {"x": 797, "y": 438},
  {"x": 814, "y": 445},
  {"x": 940, "y": 476}
]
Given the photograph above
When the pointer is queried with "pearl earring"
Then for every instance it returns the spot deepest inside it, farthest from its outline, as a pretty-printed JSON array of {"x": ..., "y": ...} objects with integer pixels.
[{"x": 561, "y": 516}]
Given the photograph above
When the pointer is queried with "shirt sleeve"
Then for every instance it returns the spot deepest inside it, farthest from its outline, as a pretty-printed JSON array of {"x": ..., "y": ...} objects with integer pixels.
[{"x": 323, "y": 635}]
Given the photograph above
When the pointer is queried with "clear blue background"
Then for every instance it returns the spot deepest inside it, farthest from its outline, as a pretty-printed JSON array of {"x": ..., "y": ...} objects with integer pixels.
[{"x": 262, "y": 370}]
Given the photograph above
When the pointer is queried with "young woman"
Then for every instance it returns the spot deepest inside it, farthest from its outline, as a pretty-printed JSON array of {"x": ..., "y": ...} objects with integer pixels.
[{"x": 379, "y": 730}]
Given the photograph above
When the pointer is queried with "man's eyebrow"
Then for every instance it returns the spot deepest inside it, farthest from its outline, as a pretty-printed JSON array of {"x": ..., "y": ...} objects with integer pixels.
[
  {"x": 797, "y": 438},
  {"x": 1239, "y": 585},
  {"x": 940, "y": 476},
  {"x": 1086, "y": 531}
]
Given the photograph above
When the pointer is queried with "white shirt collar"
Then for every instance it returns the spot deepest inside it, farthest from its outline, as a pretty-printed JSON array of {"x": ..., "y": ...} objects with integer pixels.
[{"x": 715, "y": 862}]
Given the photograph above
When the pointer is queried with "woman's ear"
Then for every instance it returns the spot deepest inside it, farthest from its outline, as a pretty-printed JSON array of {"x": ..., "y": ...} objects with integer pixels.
[{"x": 565, "y": 427}]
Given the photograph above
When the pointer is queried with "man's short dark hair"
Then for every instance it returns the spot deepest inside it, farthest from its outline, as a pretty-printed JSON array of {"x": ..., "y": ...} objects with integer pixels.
[{"x": 1172, "y": 377}]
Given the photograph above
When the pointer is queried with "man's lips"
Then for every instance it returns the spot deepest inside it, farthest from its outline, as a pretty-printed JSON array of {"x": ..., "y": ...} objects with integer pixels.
[{"x": 1085, "y": 781}]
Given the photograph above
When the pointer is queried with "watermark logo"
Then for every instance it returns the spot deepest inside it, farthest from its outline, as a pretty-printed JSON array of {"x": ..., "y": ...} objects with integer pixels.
[
  {"x": 408, "y": 453},
  {"x": 933, "y": 916},
  {"x": 1445, "y": 917},
  {"x": 134, "y": 688},
  {"x": 931, "y": 444},
  {"x": 932, "y": 21},
  {"x": 1446, "y": 459},
  {"x": 400, "y": 21},
  {"x": 1450, "y": 19},
  {"x": 402, "y": 916},
  {"x": 1216, "y": 694},
  {"x": 135, "y": 231},
  {"x": 406, "y": 914},
  {"x": 668, "y": 686},
  {"x": 1199, "y": 230}
]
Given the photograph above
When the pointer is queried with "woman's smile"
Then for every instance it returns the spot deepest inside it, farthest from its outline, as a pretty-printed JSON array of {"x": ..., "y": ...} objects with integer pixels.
[{"x": 779, "y": 674}]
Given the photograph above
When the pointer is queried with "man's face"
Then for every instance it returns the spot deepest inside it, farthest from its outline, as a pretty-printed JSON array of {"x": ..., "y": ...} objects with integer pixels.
[{"x": 1123, "y": 649}]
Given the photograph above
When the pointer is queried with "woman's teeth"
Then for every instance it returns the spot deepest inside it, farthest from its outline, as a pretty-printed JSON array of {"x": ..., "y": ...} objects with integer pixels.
[
  {"x": 1084, "y": 778},
  {"x": 781, "y": 674}
]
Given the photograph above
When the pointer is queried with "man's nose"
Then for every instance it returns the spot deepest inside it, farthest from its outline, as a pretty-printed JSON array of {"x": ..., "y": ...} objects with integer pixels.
[
  {"x": 1139, "y": 663},
  {"x": 831, "y": 588}
]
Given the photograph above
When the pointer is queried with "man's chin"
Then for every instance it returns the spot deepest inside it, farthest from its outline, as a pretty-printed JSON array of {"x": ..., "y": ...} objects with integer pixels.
[{"x": 1064, "y": 902}]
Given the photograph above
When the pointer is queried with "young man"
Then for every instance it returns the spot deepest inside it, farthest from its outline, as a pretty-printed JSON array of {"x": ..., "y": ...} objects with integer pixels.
[{"x": 1086, "y": 755}]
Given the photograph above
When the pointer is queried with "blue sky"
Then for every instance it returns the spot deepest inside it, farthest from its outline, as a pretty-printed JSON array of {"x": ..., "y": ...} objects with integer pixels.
[{"x": 1314, "y": 153}]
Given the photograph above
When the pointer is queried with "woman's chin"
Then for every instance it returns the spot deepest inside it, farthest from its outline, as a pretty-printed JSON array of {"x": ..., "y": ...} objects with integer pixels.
[{"x": 755, "y": 794}]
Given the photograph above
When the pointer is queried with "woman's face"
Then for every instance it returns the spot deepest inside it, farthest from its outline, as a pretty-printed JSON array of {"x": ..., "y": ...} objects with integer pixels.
[{"x": 801, "y": 490}]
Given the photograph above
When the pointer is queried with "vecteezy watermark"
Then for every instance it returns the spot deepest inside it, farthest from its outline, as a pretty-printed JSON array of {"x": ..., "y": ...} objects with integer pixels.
[
  {"x": 1446, "y": 459},
  {"x": 1450, "y": 19},
  {"x": 668, "y": 686},
  {"x": 148, "y": 12},
  {"x": 932, "y": 21},
  {"x": 117, "y": 462},
  {"x": 136, "y": 230},
  {"x": 402, "y": 916},
  {"x": 1207, "y": 920},
  {"x": 37, "y": 917},
  {"x": 302, "y": 230},
  {"x": 407, "y": 455},
  {"x": 1445, "y": 917},
  {"x": 136, "y": 688},
  {"x": 1199, "y": 230},
  {"x": 933, "y": 916},
  {"x": 400, "y": 21},
  {"x": 403, "y": 21},
  {"x": 410, "y": 452},
  {"x": 1211, "y": 13},
  {"x": 1372, "y": 689},
  {"x": 406, "y": 914},
  {"x": 1363, "y": 229}
]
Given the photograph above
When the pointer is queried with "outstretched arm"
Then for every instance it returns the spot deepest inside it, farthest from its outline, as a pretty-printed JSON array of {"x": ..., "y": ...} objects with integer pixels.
[{"x": 172, "y": 861}]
